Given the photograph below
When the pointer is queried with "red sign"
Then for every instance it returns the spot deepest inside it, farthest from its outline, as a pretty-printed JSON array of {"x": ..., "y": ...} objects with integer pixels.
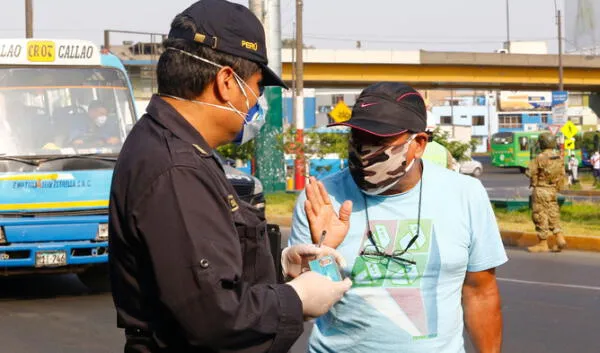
[{"x": 554, "y": 129}]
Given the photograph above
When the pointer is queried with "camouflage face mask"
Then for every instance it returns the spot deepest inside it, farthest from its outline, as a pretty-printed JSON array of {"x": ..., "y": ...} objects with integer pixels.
[{"x": 376, "y": 169}]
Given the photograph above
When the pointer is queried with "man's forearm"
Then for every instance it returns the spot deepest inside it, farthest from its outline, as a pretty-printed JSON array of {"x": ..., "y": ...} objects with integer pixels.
[{"x": 483, "y": 319}]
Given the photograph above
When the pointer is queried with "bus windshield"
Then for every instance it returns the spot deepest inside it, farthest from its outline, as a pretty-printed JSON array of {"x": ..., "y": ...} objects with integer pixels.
[
  {"x": 502, "y": 138},
  {"x": 51, "y": 111}
]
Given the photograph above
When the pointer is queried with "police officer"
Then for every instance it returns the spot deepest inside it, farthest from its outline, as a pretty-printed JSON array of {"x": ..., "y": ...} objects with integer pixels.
[
  {"x": 190, "y": 265},
  {"x": 547, "y": 177}
]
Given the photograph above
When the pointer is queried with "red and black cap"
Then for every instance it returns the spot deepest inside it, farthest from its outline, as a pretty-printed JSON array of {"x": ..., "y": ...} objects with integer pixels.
[
  {"x": 388, "y": 109},
  {"x": 232, "y": 29}
]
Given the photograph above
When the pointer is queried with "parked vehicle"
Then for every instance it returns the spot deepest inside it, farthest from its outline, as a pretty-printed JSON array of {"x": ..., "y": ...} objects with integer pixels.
[
  {"x": 471, "y": 167},
  {"x": 248, "y": 187}
]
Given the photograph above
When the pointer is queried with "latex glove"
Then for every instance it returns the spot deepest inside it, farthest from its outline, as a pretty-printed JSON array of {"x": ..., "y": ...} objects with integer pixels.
[
  {"x": 318, "y": 293},
  {"x": 321, "y": 215},
  {"x": 294, "y": 259}
]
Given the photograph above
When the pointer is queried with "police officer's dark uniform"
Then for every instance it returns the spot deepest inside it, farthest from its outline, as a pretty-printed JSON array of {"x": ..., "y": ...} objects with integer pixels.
[{"x": 191, "y": 268}]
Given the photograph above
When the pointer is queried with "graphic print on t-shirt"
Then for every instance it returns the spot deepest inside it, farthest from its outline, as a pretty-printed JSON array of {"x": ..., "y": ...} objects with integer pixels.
[{"x": 411, "y": 300}]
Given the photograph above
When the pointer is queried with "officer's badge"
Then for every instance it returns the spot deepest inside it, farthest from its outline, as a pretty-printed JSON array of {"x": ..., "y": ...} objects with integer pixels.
[{"x": 233, "y": 203}]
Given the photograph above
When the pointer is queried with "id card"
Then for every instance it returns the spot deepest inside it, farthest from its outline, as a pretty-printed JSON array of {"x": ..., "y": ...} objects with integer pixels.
[{"x": 327, "y": 267}]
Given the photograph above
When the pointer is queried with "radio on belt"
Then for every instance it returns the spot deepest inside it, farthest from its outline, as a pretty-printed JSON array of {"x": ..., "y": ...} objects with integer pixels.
[{"x": 326, "y": 265}]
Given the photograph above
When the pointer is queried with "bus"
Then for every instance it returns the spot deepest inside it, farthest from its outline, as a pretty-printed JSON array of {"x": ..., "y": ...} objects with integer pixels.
[
  {"x": 65, "y": 110},
  {"x": 516, "y": 149}
]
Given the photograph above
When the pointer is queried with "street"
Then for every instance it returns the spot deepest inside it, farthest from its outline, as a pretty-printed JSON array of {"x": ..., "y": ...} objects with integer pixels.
[
  {"x": 551, "y": 303},
  {"x": 510, "y": 183},
  {"x": 503, "y": 183}
]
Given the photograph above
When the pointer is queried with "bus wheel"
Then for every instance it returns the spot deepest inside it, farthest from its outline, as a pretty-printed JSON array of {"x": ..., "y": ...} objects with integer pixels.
[
  {"x": 522, "y": 170},
  {"x": 96, "y": 278}
]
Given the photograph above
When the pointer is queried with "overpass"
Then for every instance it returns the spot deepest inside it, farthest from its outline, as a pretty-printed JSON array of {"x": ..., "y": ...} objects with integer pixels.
[{"x": 425, "y": 69}]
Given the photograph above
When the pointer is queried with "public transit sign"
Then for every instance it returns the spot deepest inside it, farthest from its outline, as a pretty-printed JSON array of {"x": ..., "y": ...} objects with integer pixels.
[{"x": 46, "y": 52}]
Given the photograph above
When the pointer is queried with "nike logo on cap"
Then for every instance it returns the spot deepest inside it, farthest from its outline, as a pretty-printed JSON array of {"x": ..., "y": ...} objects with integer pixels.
[{"x": 364, "y": 105}]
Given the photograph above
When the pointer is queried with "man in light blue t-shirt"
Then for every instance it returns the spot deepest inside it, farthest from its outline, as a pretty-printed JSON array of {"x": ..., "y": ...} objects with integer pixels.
[{"x": 421, "y": 241}]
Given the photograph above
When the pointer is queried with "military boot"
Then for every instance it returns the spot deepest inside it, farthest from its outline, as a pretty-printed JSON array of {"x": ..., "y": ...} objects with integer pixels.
[
  {"x": 542, "y": 246},
  {"x": 561, "y": 242}
]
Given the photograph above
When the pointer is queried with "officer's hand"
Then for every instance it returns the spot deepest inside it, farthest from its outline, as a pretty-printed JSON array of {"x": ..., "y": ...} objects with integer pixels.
[
  {"x": 321, "y": 215},
  {"x": 294, "y": 259},
  {"x": 318, "y": 293}
]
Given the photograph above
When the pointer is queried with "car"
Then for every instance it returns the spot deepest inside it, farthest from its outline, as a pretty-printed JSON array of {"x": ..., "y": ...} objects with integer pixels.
[
  {"x": 471, "y": 167},
  {"x": 248, "y": 187}
]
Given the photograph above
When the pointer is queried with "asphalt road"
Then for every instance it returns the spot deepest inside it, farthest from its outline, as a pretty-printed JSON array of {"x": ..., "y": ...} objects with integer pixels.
[
  {"x": 510, "y": 183},
  {"x": 551, "y": 304},
  {"x": 503, "y": 182}
]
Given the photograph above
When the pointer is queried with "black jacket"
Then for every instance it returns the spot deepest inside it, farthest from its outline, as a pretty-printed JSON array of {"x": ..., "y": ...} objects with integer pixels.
[{"x": 190, "y": 265}]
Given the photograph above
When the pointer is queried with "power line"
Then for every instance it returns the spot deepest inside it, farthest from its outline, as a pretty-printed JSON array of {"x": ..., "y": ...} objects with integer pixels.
[{"x": 417, "y": 41}]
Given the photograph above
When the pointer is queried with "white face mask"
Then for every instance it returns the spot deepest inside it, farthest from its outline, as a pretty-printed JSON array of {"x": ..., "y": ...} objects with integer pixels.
[
  {"x": 254, "y": 119},
  {"x": 100, "y": 120}
]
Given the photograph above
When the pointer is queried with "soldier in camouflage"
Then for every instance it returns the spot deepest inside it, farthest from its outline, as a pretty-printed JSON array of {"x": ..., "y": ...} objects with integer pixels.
[{"x": 547, "y": 176}]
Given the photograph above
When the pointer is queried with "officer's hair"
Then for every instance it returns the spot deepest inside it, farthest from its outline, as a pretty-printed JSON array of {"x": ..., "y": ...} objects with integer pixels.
[{"x": 186, "y": 77}]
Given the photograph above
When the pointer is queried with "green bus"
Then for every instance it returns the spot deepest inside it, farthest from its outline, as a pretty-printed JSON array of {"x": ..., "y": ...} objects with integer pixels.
[{"x": 516, "y": 149}]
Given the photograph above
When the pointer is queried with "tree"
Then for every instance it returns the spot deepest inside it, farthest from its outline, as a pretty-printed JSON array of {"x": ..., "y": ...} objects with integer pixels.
[
  {"x": 243, "y": 152},
  {"x": 457, "y": 149},
  {"x": 591, "y": 141},
  {"x": 319, "y": 144},
  {"x": 316, "y": 143}
]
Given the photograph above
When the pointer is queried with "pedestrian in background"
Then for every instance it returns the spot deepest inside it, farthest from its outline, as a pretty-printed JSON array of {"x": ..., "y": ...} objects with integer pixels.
[
  {"x": 573, "y": 166},
  {"x": 595, "y": 162}
]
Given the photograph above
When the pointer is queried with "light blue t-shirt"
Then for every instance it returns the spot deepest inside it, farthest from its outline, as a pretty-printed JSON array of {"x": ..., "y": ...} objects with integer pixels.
[{"x": 397, "y": 307}]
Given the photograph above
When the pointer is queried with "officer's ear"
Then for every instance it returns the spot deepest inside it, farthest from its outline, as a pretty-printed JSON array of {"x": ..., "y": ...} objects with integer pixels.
[{"x": 225, "y": 86}]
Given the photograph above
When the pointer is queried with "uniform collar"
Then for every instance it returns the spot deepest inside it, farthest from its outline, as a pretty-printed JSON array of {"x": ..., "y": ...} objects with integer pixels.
[{"x": 164, "y": 114}]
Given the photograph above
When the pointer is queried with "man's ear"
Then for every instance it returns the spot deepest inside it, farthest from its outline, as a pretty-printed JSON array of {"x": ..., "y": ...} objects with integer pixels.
[
  {"x": 421, "y": 140},
  {"x": 225, "y": 84}
]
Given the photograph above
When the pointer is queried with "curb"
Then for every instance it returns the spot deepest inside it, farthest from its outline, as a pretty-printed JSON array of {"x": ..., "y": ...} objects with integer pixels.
[
  {"x": 525, "y": 239},
  {"x": 580, "y": 192},
  {"x": 509, "y": 238}
]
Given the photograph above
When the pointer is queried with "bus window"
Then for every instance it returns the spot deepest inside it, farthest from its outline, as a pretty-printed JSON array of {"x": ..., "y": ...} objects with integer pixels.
[
  {"x": 502, "y": 138},
  {"x": 524, "y": 143},
  {"x": 535, "y": 148},
  {"x": 48, "y": 109}
]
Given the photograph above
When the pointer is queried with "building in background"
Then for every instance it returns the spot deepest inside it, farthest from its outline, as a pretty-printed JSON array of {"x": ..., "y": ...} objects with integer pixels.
[{"x": 467, "y": 115}]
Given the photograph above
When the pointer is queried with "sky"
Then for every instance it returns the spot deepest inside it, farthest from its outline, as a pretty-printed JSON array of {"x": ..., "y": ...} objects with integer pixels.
[{"x": 437, "y": 25}]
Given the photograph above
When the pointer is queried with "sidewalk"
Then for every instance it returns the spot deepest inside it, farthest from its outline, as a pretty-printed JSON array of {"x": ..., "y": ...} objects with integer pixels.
[
  {"x": 586, "y": 190},
  {"x": 509, "y": 238}
]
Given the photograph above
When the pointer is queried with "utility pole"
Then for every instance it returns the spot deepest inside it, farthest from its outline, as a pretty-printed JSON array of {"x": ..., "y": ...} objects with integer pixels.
[
  {"x": 28, "y": 18},
  {"x": 507, "y": 26},
  {"x": 489, "y": 119},
  {"x": 257, "y": 8},
  {"x": 561, "y": 86},
  {"x": 299, "y": 167}
]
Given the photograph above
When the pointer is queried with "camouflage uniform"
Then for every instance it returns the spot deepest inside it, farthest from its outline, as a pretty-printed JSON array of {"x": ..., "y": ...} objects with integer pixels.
[{"x": 547, "y": 176}]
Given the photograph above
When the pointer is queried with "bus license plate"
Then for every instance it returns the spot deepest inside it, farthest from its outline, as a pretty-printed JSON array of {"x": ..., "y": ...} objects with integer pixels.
[{"x": 50, "y": 258}]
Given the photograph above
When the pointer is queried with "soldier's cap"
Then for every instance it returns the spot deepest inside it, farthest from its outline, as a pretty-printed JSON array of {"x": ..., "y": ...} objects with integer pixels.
[
  {"x": 388, "y": 109},
  {"x": 232, "y": 29}
]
